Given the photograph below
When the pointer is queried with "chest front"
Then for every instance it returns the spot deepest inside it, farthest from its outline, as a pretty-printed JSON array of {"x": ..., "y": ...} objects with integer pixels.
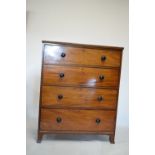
[{"x": 79, "y": 89}]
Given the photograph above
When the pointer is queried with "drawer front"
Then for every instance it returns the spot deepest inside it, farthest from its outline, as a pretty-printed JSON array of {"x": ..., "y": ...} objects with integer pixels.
[
  {"x": 77, "y": 120},
  {"x": 81, "y": 56},
  {"x": 61, "y": 97},
  {"x": 92, "y": 77}
]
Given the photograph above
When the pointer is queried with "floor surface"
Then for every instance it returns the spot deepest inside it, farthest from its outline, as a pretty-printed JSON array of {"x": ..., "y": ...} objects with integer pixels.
[{"x": 75, "y": 144}]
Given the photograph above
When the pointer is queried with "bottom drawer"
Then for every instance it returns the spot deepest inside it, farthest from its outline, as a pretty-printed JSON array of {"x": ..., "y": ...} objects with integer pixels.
[{"x": 77, "y": 120}]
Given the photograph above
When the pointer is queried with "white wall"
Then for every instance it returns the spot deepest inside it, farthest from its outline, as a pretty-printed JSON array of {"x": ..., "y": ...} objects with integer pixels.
[{"x": 103, "y": 22}]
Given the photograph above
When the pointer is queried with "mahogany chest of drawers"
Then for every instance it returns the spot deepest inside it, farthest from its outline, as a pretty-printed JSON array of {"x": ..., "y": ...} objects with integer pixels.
[{"x": 79, "y": 89}]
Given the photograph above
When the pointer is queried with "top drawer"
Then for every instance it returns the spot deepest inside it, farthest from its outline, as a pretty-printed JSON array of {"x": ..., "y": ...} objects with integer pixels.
[{"x": 60, "y": 54}]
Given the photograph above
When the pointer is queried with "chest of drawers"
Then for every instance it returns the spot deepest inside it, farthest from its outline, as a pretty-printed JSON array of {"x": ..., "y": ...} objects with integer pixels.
[{"x": 79, "y": 89}]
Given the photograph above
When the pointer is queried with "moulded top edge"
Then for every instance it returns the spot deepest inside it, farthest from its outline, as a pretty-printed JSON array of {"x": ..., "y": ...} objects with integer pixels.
[{"x": 83, "y": 45}]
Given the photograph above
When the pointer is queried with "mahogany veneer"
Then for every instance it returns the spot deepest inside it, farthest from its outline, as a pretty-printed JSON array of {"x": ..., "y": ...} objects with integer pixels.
[
  {"x": 83, "y": 76},
  {"x": 79, "y": 89}
]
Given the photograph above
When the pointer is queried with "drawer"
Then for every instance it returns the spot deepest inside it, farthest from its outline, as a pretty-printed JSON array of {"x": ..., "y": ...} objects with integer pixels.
[
  {"x": 77, "y": 120},
  {"x": 75, "y": 76},
  {"x": 69, "y": 97},
  {"x": 55, "y": 54}
]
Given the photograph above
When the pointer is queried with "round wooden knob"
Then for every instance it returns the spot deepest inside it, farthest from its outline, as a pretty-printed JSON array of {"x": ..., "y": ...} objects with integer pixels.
[
  {"x": 60, "y": 97},
  {"x": 59, "y": 120},
  {"x": 98, "y": 121},
  {"x": 61, "y": 75},
  {"x": 103, "y": 58},
  {"x": 63, "y": 55},
  {"x": 100, "y": 98},
  {"x": 101, "y": 77}
]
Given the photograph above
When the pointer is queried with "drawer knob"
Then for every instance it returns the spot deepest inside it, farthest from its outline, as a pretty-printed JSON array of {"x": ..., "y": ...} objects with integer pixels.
[
  {"x": 98, "y": 121},
  {"x": 100, "y": 98},
  {"x": 59, "y": 120},
  {"x": 63, "y": 55},
  {"x": 61, "y": 75},
  {"x": 103, "y": 58},
  {"x": 60, "y": 97},
  {"x": 101, "y": 77}
]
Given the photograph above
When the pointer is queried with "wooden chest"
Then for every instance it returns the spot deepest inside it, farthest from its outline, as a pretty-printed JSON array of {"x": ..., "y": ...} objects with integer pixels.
[{"x": 79, "y": 89}]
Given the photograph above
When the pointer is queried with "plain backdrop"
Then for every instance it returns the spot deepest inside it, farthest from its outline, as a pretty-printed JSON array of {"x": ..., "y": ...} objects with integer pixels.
[
  {"x": 103, "y": 22},
  {"x": 13, "y": 77}
]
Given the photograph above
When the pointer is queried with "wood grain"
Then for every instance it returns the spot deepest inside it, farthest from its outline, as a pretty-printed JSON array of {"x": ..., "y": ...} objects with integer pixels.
[
  {"x": 84, "y": 120},
  {"x": 79, "y": 109},
  {"x": 75, "y": 76},
  {"x": 81, "y": 56},
  {"x": 78, "y": 97}
]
